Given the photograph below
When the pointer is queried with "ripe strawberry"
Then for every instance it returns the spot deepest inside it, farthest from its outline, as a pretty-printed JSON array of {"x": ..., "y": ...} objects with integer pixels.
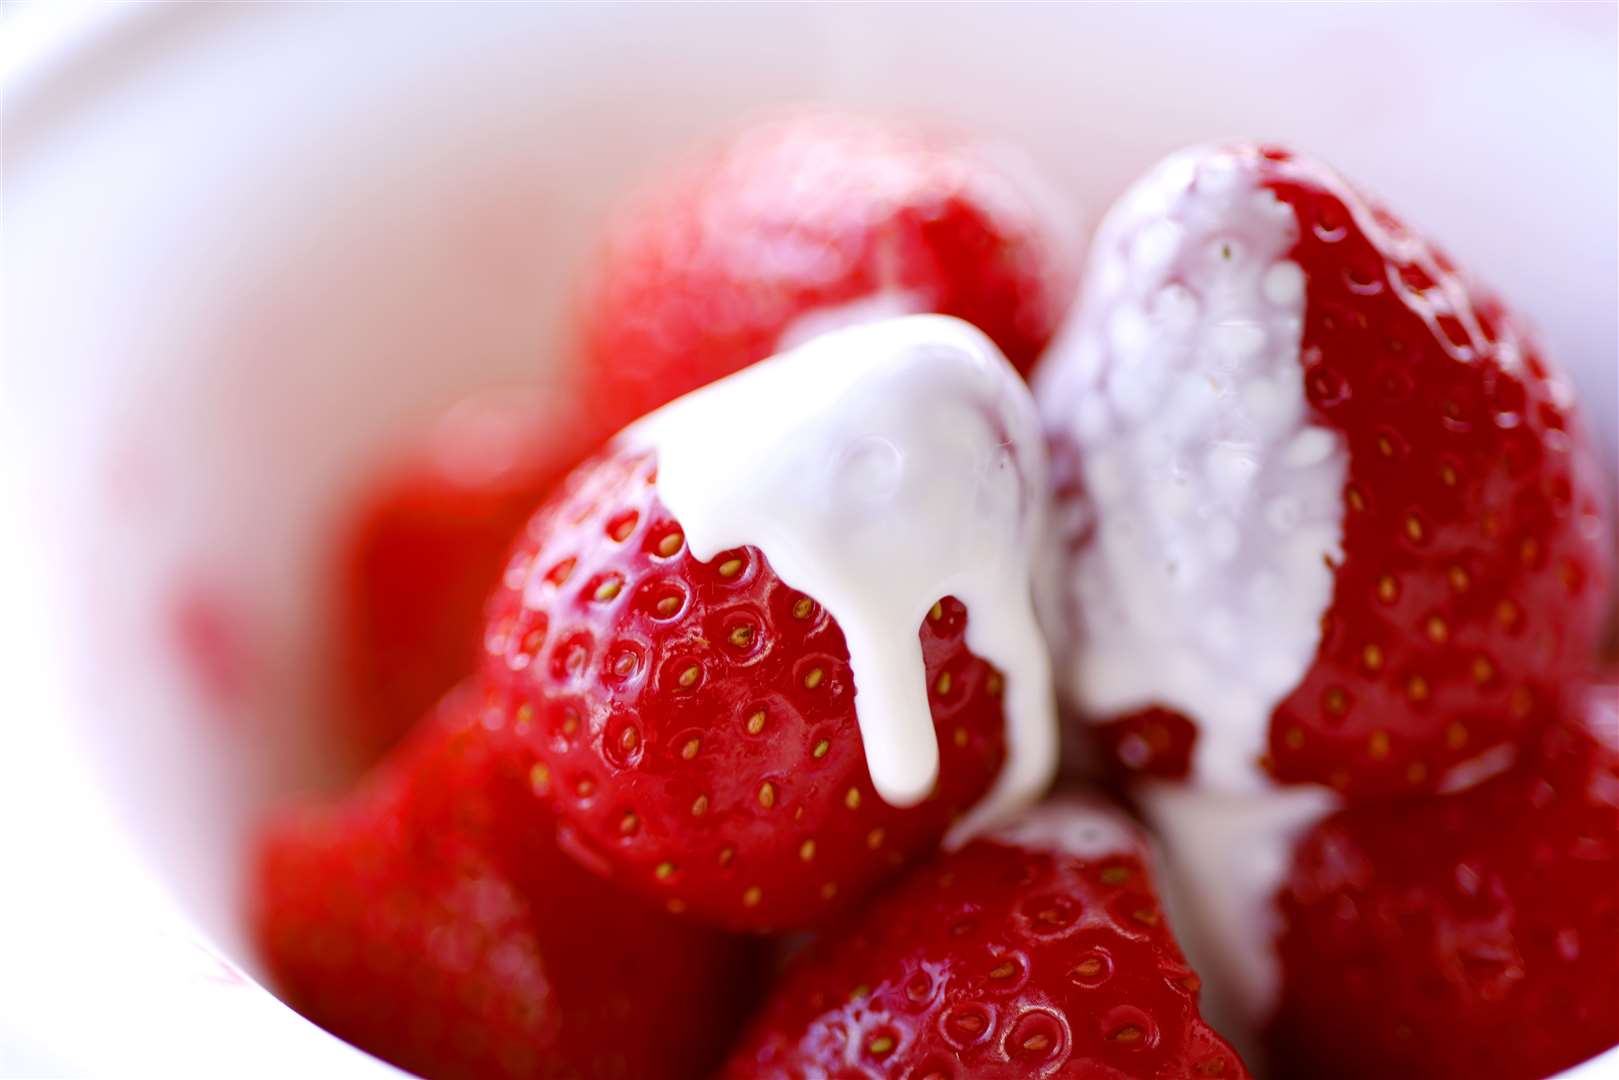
[
  {"x": 812, "y": 219},
  {"x": 424, "y": 547},
  {"x": 430, "y": 919},
  {"x": 1464, "y": 935},
  {"x": 696, "y": 720},
  {"x": 1038, "y": 951},
  {"x": 1468, "y": 577}
]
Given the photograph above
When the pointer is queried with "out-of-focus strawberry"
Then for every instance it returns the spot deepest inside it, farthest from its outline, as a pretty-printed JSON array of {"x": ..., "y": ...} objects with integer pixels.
[
  {"x": 425, "y": 545},
  {"x": 430, "y": 919},
  {"x": 1465, "y": 935},
  {"x": 803, "y": 223}
]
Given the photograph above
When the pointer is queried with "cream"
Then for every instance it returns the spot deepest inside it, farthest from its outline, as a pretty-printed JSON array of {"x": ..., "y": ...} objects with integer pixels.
[
  {"x": 1086, "y": 827},
  {"x": 1226, "y": 858},
  {"x": 1193, "y": 574}
]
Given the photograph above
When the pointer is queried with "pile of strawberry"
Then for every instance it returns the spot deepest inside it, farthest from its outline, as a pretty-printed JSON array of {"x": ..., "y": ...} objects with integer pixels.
[{"x": 631, "y": 832}]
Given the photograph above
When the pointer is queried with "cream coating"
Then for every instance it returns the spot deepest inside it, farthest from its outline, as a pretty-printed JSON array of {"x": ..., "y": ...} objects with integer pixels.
[
  {"x": 879, "y": 468},
  {"x": 1194, "y": 571},
  {"x": 1226, "y": 856},
  {"x": 874, "y": 307},
  {"x": 1087, "y": 827}
]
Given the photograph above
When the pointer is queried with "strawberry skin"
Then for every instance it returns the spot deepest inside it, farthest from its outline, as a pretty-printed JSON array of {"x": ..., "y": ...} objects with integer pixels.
[
  {"x": 1014, "y": 957},
  {"x": 1475, "y": 552},
  {"x": 696, "y": 722},
  {"x": 1465, "y": 935},
  {"x": 809, "y": 213},
  {"x": 1476, "y": 555},
  {"x": 422, "y": 549},
  {"x": 430, "y": 919}
]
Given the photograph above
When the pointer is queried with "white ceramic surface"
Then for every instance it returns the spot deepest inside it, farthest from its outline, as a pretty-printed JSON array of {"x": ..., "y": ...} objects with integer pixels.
[{"x": 247, "y": 244}]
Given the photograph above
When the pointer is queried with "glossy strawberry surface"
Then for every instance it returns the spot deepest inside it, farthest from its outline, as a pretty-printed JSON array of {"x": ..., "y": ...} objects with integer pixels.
[
  {"x": 423, "y": 547},
  {"x": 1475, "y": 554},
  {"x": 1011, "y": 958},
  {"x": 695, "y": 720},
  {"x": 1465, "y": 935},
  {"x": 430, "y": 919},
  {"x": 812, "y": 215}
]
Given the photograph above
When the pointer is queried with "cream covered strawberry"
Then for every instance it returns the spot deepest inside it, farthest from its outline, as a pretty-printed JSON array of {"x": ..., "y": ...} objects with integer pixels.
[
  {"x": 1325, "y": 513},
  {"x": 778, "y": 638}
]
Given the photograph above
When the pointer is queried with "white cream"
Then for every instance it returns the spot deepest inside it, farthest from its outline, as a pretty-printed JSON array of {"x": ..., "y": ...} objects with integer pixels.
[
  {"x": 873, "y": 307},
  {"x": 1226, "y": 857},
  {"x": 880, "y": 468},
  {"x": 1214, "y": 501},
  {"x": 1086, "y": 827},
  {"x": 1603, "y": 704}
]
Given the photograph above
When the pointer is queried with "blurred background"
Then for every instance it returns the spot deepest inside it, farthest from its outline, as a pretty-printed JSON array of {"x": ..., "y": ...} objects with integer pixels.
[{"x": 246, "y": 246}]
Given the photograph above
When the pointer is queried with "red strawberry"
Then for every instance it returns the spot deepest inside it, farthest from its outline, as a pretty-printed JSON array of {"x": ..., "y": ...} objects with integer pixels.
[
  {"x": 431, "y": 920},
  {"x": 1038, "y": 951},
  {"x": 424, "y": 548},
  {"x": 696, "y": 720},
  {"x": 1466, "y": 556},
  {"x": 1466, "y": 935},
  {"x": 815, "y": 217}
]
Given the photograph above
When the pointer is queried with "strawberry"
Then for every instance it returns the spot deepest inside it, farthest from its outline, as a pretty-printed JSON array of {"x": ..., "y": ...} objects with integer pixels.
[
  {"x": 1327, "y": 505},
  {"x": 423, "y": 548},
  {"x": 1041, "y": 950},
  {"x": 695, "y": 720},
  {"x": 808, "y": 221},
  {"x": 430, "y": 919},
  {"x": 1464, "y": 935}
]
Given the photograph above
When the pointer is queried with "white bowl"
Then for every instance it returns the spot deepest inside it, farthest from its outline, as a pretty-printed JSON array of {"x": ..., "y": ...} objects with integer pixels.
[{"x": 249, "y": 244}]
